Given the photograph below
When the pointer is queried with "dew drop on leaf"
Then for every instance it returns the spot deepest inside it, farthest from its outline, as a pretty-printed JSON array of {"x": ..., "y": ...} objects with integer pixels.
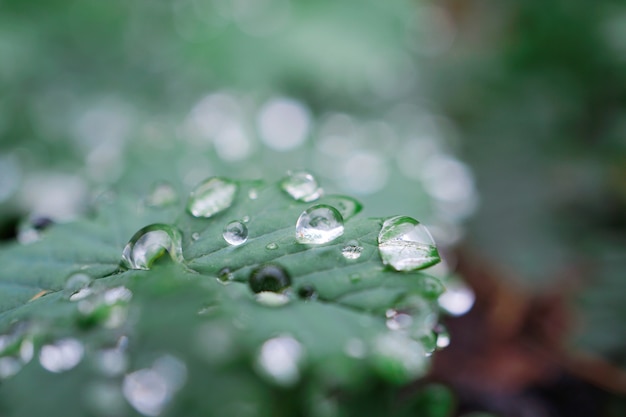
[
  {"x": 269, "y": 277},
  {"x": 195, "y": 236},
  {"x": 406, "y": 245},
  {"x": 271, "y": 246},
  {"x": 347, "y": 206},
  {"x": 319, "y": 224},
  {"x": 352, "y": 250},
  {"x": 162, "y": 194},
  {"x": 279, "y": 359},
  {"x": 443, "y": 336},
  {"x": 301, "y": 186},
  {"x": 235, "y": 233},
  {"x": 62, "y": 355},
  {"x": 308, "y": 292},
  {"x": 151, "y": 242},
  {"x": 76, "y": 282},
  {"x": 225, "y": 275},
  {"x": 398, "y": 320},
  {"x": 212, "y": 196},
  {"x": 457, "y": 299}
]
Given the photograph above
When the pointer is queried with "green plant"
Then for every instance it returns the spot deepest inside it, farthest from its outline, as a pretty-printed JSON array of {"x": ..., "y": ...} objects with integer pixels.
[{"x": 336, "y": 333}]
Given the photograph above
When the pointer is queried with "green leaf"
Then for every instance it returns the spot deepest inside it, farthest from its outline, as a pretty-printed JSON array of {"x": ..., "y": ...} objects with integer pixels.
[{"x": 227, "y": 339}]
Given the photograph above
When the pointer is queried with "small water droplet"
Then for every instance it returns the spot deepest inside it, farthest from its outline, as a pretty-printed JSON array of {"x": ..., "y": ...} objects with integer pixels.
[
  {"x": 347, "y": 206},
  {"x": 195, "y": 236},
  {"x": 62, "y": 355},
  {"x": 355, "y": 348},
  {"x": 81, "y": 294},
  {"x": 397, "y": 320},
  {"x": 279, "y": 359},
  {"x": 301, "y": 186},
  {"x": 76, "y": 282},
  {"x": 149, "y": 243},
  {"x": 269, "y": 277},
  {"x": 406, "y": 245},
  {"x": 146, "y": 391},
  {"x": 235, "y": 233},
  {"x": 457, "y": 299},
  {"x": 354, "y": 277},
  {"x": 212, "y": 196},
  {"x": 319, "y": 224},
  {"x": 162, "y": 194},
  {"x": 31, "y": 231},
  {"x": 399, "y": 357},
  {"x": 271, "y": 246},
  {"x": 352, "y": 250},
  {"x": 443, "y": 336},
  {"x": 225, "y": 275},
  {"x": 245, "y": 219},
  {"x": 253, "y": 194},
  {"x": 272, "y": 299},
  {"x": 308, "y": 292}
]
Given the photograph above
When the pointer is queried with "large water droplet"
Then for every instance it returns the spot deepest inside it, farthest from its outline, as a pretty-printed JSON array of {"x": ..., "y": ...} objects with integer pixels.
[
  {"x": 235, "y": 233},
  {"x": 149, "y": 243},
  {"x": 211, "y": 197},
  {"x": 301, "y": 186},
  {"x": 406, "y": 245},
  {"x": 62, "y": 355},
  {"x": 319, "y": 224},
  {"x": 279, "y": 359},
  {"x": 352, "y": 250},
  {"x": 163, "y": 194},
  {"x": 269, "y": 277}
]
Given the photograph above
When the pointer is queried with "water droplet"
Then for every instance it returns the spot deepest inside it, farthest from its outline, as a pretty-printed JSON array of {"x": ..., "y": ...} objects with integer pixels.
[
  {"x": 307, "y": 292},
  {"x": 319, "y": 224},
  {"x": 347, "y": 206},
  {"x": 235, "y": 233},
  {"x": 225, "y": 275},
  {"x": 253, "y": 194},
  {"x": 149, "y": 243},
  {"x": 397, "y": 320},
  {"x": 195, "y": 236},
  {"x": 399, "y": 357},
  {"x": 149, "y": 390},
  {"x": 9, "y": 366},
  {"x": 279, "y": 359},
  {"x": 457, "y": 299},
  {"x": 355, "y": 277},
  {"x": 355, "y": 348},
  {"x": 116, "y": 295},
  {"x": 352, "y": 250},
  {"x": 81, "y": 294},
  {"x": 272, "y": 299},
  {"x": 163, "y": 194},
  {"x": 62, "y": 355},
  {"x": 301, "y": 186},
  {"x": 146, "y": 391},
  {"x": 443, "y": 336},
  {"x": 271, "y": 246},
  {"x": 269, "y": 277},
  {"x": 406, "y": 245},
  {"x": 31, "y": 231},
  {"x": 76, "y": 282},
  {"x": 112, "y": 362},
  {"x": 245, "y": 219},
  {"x": 212, "y": 196}
]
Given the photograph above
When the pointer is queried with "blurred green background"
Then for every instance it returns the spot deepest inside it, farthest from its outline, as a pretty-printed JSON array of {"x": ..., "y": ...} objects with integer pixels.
[{"x": 501, "y": 125}]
